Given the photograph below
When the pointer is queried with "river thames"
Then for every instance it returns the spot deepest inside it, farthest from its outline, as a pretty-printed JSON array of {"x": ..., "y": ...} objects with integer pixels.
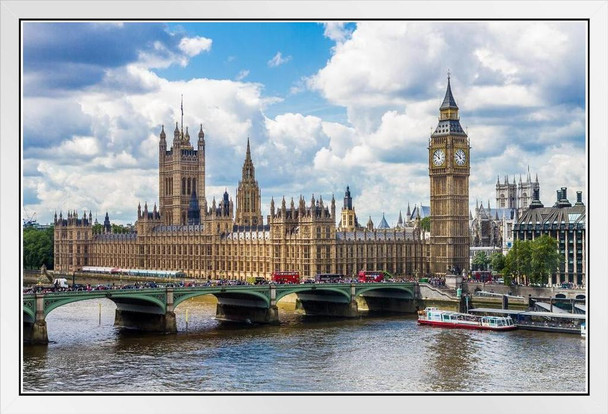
[{"x": 303, "y": 354}]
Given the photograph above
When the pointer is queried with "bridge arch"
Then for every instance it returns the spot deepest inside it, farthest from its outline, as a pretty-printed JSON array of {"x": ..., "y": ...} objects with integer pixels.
[
  {"x": 51, "y": 304},
  {"x": 317, "y": 288},
  {"x": 385, "y": 287},
  {"x": 178, "y": 298},
  {"x": 29, "y": 315}
]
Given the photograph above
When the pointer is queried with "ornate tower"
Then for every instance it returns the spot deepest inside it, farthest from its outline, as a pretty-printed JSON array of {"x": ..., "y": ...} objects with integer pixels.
[
  {"x": 248, "y": 198},
  {"x": 181, "y": 174},
  {"x": 348, "y": 221},
  {"x": 525, "y": 192},
  {"x": 449, "y": 170},
  {"x": 506, "y": 193}
]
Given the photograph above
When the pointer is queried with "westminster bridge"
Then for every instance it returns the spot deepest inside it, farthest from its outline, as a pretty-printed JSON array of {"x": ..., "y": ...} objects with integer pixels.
[{"x": 153, "y": 309}]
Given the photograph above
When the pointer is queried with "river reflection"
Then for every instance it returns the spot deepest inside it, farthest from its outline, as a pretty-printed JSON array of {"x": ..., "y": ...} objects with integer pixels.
[{"x": 302, "y": 354}]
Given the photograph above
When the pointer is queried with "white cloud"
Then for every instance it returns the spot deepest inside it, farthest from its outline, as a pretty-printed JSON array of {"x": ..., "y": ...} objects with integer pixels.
[
  {"x": 80, "y": 146},
  {"x": 193, "y": 46},
  {"x": 242, "y": 75},
  {"x": 278, "y": 60},
  {"x": 496, "y": 61},
  {"x": 390, "y": 78},
  {"x": 336, "y": 31},
  {"x": 501, "y": 96}
]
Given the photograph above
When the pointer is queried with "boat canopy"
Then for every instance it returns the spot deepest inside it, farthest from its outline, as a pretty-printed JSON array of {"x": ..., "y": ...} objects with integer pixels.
[
  {"x": 530, "y": 313},
  {"x": 547, "y": 307},
  {"x": 496, "y": 311},
  {"x": 555, "y": 315}
]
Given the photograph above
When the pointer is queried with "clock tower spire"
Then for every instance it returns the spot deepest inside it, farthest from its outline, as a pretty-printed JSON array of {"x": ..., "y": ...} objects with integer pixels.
[{"x": 449, "y": 171}]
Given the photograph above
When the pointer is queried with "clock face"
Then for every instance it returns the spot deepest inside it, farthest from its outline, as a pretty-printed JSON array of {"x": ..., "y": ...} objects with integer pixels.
[
  {"x": 460, "y": 157},
  {"x": 438, "y": 157}
]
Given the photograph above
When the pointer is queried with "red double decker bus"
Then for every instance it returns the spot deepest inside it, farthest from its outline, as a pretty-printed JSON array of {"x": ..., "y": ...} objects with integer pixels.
[
  {"x": 366, "y": 276},
  {"x": 286, "y": 277},
  {"x": 482, "y": 276}
]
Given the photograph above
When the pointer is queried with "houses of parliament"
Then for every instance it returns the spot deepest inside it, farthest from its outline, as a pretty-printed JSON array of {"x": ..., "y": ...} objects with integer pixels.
[{"x": 231, "y": 239}]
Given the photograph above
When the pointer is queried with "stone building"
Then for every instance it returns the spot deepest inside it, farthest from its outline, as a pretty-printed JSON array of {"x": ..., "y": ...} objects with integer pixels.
[
  {"x": 485, "y": 227},
  {"x": 213, "y": 241},
  {"x": 493, "y": 227},
  {"x": 564, "y": 222},
  {"x": 515, "y": 196},
  {"x": 449, "y": 170}
]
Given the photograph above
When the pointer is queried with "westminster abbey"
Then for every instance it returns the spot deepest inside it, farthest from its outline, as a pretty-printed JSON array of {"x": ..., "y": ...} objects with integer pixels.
[{"x": 223, "y": 240}]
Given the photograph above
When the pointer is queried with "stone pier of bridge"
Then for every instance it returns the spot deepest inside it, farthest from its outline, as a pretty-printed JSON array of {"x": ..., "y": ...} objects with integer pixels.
[
  {"x": 142, "y": 316},
  {"x": 248, "y": 309},
  {"x": 35, "y": 331}
]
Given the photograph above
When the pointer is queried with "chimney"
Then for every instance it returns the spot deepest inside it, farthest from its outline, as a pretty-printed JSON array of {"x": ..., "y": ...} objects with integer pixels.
[
  {"x": 579, "y": 198},
  {"x": 563, "y": 198},
  {"x": 536, "y": 199}
]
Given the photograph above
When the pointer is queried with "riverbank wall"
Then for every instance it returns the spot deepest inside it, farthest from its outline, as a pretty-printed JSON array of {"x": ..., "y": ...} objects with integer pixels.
[
  {"x": 524, "y": 291},
  {"x": 447, "y": 299}
]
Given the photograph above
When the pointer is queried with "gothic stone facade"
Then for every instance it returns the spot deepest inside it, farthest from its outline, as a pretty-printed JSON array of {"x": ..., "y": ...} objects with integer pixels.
[
  {"x": 449, "y": 170},
  {"x": 302, "y": 238},
  {"x": 185, "y": 233}
]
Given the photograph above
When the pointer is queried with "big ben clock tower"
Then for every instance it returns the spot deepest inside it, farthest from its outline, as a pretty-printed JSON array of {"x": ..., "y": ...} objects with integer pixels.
[{"x": 449, "y": 170}]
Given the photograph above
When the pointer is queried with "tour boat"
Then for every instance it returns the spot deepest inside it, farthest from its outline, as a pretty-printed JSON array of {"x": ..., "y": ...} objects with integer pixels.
[{"x": 449, "y": 319}]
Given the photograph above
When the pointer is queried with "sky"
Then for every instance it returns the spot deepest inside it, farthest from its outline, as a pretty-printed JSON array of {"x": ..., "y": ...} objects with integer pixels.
[{"x": 325, "y": 105}]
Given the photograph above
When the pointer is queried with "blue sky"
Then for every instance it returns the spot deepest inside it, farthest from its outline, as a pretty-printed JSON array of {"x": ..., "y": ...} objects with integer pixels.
[{"x": 325, "y": 105}]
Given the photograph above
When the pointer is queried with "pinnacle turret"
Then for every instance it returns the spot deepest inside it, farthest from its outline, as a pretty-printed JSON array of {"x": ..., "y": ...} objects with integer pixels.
[{"x": 448, "y": 100}]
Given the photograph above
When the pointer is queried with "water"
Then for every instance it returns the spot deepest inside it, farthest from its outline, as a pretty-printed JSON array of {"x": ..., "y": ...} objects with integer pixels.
[{"x": 303, "y": 354}]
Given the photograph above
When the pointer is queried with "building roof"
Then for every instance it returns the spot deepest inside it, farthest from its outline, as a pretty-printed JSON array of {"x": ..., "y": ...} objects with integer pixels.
[
  {"x": 449, "y": 126},
  {"x": 403, "y": 234},
  {"x": 552, "y": 218},
  {"x": 448, "y": 100},
  {"x": 115, "y": 236},
  {"x": 383, "y": 224},
  {"x": 192, "y": 227},
  {"x": 425, "y": 211},
  {"x": 260, "y": 234}
]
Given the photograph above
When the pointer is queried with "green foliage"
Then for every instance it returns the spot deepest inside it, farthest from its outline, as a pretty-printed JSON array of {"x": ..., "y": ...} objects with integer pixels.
[
  {"x": 497, "y": 261},
  {"x": 481, "y": 261},
  {"x": 425, "y": 224},
  {"x": 545, "y": 259},
  {"x": 536, "y": 259},
  {"x": 517, "y": 262},
  {"x": 117, "y": 228},
  {"x": 38, "y": 248}
]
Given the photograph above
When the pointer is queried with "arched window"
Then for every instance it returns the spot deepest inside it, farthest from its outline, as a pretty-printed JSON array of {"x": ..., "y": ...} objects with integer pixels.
[
  {"x": 183, "y": 186},
  {"x": 189, "y": 182},
  {"x": 194, "y": 184}
]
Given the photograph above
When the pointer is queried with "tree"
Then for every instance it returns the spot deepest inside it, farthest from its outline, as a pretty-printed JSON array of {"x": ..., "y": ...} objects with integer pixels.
[
  {"x": 119, "y": 229},
  {"x": 497, "y": 261},
  {"x": 481, "y": 261},
  {"x": 518, "y": 260},
  {"x": 38, "y": 247},
  {"x": 545, "y": 259},
  {"x": 425, "y": 224}
]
